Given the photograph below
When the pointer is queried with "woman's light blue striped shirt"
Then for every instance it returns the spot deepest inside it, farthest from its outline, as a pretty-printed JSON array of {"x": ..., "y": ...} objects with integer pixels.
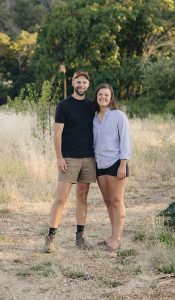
[{"x": 111, "y": 138}]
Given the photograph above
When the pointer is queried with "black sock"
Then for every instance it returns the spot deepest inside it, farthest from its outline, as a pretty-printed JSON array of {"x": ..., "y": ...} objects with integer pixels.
[
  {"x": 80, "y": 228},
  {"x": 52, "y": 230}
]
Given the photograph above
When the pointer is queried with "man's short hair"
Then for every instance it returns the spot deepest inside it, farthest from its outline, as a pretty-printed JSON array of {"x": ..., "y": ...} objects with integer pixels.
[{"x": 79, "y": 73}]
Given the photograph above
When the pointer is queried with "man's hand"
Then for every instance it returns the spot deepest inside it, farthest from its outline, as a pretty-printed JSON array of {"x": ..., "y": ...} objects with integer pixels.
[{"x": 62, "y": 166}]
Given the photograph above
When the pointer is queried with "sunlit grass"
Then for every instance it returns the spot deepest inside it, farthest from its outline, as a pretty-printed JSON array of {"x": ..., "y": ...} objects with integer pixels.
[
  {"x": 26, "y": 171},
  {"x": 153, "y": 143},
  {"x": 28, "y": 164}
]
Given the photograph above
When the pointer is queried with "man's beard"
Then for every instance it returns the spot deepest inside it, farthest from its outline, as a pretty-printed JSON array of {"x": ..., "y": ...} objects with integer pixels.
[{"x": 80, "y": 93}]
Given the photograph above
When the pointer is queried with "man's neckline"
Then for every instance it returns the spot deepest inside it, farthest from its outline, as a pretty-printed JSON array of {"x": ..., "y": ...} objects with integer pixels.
[{"x": 79, "y": 100}]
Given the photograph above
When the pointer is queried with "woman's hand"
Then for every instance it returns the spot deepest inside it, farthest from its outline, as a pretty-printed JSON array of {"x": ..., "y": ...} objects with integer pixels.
[{"x": 121, "y": 172}]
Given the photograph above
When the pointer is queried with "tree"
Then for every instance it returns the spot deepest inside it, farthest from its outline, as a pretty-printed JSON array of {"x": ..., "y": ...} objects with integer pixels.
[
  {"x": 97, "y": 36},
  {"x": 161, "y": 41},
  {"x": 158, "y": 82},
  {"x": 17, "y": 15},
  {"x": 23, "y": 48},
  {"x": 15, "y": 56},
  {"x": 7, "y": 65}
]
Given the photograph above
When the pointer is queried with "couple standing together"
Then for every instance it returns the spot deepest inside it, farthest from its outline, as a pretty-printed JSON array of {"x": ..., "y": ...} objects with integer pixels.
[{"x": 84, "y": 128}]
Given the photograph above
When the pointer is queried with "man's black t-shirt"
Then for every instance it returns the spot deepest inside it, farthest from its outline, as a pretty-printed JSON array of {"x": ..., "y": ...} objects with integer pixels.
[{"x": 77, "y": 136}]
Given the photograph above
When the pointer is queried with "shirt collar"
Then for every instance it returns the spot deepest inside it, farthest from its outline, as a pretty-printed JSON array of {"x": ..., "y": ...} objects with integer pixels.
[{"x": 107, "y": 111}]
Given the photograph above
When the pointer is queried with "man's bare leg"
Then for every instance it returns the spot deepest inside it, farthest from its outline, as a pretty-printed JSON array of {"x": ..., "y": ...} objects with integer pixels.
[
  {"x": 81, "y": 213},
  {"x": 82, "y": 190},
  {"x": 57, "y": 210}
]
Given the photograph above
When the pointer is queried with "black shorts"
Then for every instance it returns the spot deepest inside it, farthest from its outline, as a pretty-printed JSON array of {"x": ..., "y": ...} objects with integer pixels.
[{"x": 112, "y": 171}]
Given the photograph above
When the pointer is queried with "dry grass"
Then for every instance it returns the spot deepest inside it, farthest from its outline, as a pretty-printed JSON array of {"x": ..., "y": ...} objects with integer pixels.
[
  {"x": 142, "y": 269},
  {"x": 154, "y": 147}
]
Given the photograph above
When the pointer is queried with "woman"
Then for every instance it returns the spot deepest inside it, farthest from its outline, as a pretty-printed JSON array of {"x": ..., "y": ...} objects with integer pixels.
[{"x": 112, "y": 151}]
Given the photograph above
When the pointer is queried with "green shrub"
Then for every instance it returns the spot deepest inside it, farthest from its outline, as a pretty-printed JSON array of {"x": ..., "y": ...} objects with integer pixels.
[
  {"x": 170, "y": 108},
  {"x": 158, "y": 83}
]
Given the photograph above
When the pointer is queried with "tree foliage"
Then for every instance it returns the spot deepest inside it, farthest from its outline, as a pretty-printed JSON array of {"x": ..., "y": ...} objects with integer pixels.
[
  {"x": 127, "y": 43},
  {"x": 103, "y": 37},
  {"x": 158, "y": 82},
  {"x": 17, "y": 15},
  {"x": 7, "y": 65},
  {"x": 15, "y": 56}
]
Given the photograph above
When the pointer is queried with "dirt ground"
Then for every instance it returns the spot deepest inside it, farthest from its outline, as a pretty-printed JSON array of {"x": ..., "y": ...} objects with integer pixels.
[{"x": 28, "y": 273}]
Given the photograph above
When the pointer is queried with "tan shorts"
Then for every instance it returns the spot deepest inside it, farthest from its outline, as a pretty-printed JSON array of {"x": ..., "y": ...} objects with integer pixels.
[{"x": 79, "y": 170}]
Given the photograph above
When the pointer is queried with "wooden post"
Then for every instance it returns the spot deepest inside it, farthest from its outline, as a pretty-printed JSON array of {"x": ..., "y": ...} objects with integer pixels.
[{"x": 62, "y": 69}]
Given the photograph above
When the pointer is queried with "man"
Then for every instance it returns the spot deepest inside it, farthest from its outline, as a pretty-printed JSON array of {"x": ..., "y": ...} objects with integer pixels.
[{"x": 73, "y": 139}]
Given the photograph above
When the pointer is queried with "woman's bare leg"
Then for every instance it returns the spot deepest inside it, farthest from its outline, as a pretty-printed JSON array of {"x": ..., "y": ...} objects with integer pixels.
[
  {"x": 103, "y": 185},
  {"x": 116, "y": 189}
]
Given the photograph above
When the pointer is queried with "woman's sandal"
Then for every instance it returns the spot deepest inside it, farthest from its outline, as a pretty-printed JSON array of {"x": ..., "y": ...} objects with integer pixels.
[{"x": 110, "y": 249}]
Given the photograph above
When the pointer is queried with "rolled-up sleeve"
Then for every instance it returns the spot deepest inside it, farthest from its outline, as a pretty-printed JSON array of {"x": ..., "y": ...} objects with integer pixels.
[{"x": 124, "y": 137}]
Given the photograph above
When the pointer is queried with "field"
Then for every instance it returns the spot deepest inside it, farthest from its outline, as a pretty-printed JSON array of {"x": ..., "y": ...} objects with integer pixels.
[{"x": 144, "y": 268}]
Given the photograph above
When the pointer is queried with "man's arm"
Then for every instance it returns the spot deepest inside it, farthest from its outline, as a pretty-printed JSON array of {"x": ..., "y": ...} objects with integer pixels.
[{"x": 58, "y": 129}]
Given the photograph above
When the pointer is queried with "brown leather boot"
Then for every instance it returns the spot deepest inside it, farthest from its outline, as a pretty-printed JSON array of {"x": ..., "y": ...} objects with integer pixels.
[
  {"x": 49, "y": 246},
  {"x": 82, "y": 243}
]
